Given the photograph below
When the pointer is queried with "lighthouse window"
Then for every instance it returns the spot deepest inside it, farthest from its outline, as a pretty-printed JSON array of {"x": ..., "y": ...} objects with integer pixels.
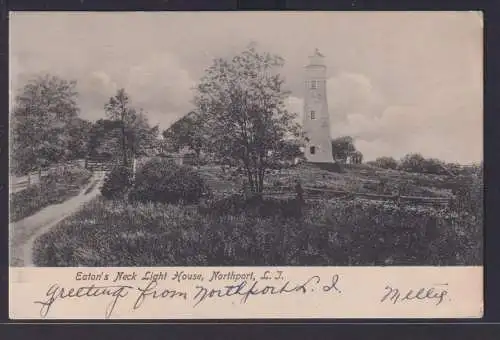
[
  {"x": 313, "y": 114},
  {"x": 314, "y": 84},
  {"x": 312, "y": 150}
]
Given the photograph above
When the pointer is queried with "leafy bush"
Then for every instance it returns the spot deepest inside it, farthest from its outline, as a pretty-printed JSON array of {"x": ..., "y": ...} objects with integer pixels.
[
  {"x": 412, "y": 162},
  {"x": 117, "y": 183},
  {"x": 161, "y": 180},
  {"x": 434, "y": 166},
  {"x": 417, "y": 163},
  {"x": 385, "y": 163}
]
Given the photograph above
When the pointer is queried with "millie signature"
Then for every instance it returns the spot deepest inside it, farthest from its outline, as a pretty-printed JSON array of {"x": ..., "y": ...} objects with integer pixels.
[{"x": 436, "y": 293}]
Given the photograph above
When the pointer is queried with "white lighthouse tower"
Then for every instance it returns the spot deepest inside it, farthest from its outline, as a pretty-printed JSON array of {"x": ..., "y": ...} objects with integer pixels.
[{"x": 316, "y": 123}]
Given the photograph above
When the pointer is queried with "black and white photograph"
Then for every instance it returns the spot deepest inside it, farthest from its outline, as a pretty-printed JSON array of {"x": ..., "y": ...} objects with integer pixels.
[{"x": 212, "y": 139}]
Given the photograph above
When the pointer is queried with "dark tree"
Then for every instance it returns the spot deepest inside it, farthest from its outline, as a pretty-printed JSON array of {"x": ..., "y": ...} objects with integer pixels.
[
  {"x": 241, "y": 106},
  {"x": 78, "y": 130},
  {"x": 135, "y": 133},
  {"x": 41, "y": 113},
  {"x": 342, "y": 149},
  {"x": 185, "y": 132}
]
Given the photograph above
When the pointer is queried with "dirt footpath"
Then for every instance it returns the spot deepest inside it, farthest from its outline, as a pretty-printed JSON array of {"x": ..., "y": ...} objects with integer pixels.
[{"x": 23, "y": 233}]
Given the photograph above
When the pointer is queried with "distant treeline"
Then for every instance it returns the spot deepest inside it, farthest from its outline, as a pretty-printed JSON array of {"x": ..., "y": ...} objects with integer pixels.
[
  {"x": 415, "y": 162},
  {"x": 47, "y": 128}
]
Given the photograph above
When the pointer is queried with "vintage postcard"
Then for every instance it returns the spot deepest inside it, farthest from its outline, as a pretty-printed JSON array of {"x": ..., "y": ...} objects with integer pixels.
[{"x": 229, "y": 165}]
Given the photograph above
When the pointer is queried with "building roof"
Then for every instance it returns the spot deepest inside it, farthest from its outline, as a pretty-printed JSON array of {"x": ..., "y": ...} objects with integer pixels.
[{"x": 317, "y": 59}]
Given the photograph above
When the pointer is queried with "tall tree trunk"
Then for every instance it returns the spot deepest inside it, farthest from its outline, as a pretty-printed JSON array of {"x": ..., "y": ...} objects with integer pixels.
[{"x": 124, "y": 145}]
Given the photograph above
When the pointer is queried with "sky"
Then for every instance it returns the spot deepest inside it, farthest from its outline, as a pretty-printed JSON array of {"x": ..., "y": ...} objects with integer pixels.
[{"x": 398, "y": 82}]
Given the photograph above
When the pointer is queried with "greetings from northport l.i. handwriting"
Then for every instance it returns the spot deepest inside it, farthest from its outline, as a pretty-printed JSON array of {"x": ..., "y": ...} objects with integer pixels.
[
  {"x": 133, "y": 291},
  {"x": 154, "y": 286}
]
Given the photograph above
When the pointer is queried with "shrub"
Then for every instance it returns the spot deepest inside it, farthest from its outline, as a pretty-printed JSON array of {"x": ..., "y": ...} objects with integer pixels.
[
  {"x": 417, "y": 163},
  {"x": 386, "y": 163},
  {"x": 412, "y": 163},
  {"x": 161, "y": 180},
  {"x": 117, "y": 183},
  {"x": 434, "y": 166}
]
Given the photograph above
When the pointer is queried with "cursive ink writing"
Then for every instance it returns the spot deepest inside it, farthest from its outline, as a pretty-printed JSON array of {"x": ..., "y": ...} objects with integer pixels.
[
  {"x": 151, "y": 291},
  {"x": 332, "y": 286},
  {"x": 55, "y": 292},
  {"x": 436, "y": 293},
  {"x": 245, "y": 289}
]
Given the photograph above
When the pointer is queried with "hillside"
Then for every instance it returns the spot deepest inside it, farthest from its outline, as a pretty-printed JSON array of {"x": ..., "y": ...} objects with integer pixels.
[{"x": 353, "y": 178}]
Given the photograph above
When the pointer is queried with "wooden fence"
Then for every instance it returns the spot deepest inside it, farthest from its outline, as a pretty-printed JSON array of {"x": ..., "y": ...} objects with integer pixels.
[
  {"x": 99, "y": 166},
  {"x": 311, "y": 193}
]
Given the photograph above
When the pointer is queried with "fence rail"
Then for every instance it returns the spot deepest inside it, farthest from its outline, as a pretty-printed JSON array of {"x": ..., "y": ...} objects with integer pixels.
[
  {"x": 311, "y": 193},
  {"x": 102, "y": 166}
]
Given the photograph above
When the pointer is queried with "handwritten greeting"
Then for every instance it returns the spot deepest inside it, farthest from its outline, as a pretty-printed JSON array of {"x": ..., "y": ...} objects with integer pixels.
[{"x": 135, "y": 291}]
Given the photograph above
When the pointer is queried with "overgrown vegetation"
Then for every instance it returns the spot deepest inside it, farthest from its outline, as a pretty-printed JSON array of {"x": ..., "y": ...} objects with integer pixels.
[
  {"x": 55, "y": 187},
  {"x": 337, "y": 232},
  {"x": 161, "y": 180},
  {"x": 416, "y": 163},
  {"x": 117, "y": 183},
  {"x": 367, "y": 179},
  {"x": 157, "y": 180},
  {"x": 44, "y": 119}
]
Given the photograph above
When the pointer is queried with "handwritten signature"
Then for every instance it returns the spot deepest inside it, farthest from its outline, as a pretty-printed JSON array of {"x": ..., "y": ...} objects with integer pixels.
[{"x": 436, "y": 293}]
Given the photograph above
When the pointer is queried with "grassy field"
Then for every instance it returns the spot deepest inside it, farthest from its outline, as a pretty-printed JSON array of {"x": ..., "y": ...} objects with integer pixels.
[
  {"x": 366, "y": 179},
  {"x": 360, "y": 178},
  {"x": 54, "y": 187},
  {"x": 230, "y": 231}
]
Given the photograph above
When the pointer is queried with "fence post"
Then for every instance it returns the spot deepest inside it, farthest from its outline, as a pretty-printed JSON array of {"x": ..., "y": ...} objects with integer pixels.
[
  {"x": 134, "y": 168},
  {"x": 300, "y": 192}
]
